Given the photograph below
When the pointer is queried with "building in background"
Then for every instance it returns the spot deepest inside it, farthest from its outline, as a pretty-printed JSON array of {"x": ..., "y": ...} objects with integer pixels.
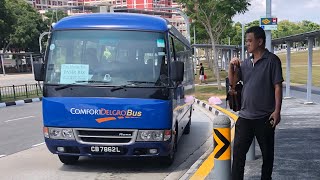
[{"x": 137, "y": 6}]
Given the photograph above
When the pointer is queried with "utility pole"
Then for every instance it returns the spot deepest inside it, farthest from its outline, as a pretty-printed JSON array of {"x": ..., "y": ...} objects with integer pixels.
[
  {"x": 194, "y": 49},
  {"x": 185, "y": 17},
  {"x": 242, "y": 43},
  {"x": 82, "y": 6},
  {"x": 268, "y": 32}
]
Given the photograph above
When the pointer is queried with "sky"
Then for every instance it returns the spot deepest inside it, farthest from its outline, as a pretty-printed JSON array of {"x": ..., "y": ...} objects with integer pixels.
[{"x": 292, "y": 10}]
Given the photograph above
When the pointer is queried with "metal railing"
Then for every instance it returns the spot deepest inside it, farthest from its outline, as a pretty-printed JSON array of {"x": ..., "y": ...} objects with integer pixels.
[{"x": 15, "y": 92}]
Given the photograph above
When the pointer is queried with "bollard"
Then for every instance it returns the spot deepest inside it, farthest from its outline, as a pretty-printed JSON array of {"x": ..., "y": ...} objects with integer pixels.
[
  {"x": 222, "y": 149},
  {"x": 251, "y": 154}
]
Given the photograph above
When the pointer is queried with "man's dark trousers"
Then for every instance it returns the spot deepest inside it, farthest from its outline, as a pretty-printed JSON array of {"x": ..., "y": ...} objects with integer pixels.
[{"x": 246, "y": 129}]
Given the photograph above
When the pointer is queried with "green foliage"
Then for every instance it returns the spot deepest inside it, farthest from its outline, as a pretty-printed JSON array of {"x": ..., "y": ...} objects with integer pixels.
[
  {"x": 54, "y": 16},
  {"x": 201, "y": 34},
  {"x": 253, "y": 23},
  {"x": 285, "y": 28},
  {"x": 213, "y": 15},
  {"x": 24, "y": 24},
  {"x": 6, "y": 22}
]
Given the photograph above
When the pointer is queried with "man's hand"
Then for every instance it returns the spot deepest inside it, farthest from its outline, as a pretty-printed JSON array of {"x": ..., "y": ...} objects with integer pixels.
[
  {"x": 232, "y": 75},
  {"x": 276, "y": 118},
  {"x": 235, "y": 62}
]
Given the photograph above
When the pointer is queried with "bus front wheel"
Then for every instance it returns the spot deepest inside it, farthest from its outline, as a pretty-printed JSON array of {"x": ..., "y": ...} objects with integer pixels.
[
  {"x": 69, "y": 160},
  {"x": 168, "y": 160}
]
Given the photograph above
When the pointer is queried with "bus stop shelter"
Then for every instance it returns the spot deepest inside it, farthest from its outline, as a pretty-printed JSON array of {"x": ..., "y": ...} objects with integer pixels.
[
  {"x": 26, "y": 54},
  {"x": 308, "y": 37}
]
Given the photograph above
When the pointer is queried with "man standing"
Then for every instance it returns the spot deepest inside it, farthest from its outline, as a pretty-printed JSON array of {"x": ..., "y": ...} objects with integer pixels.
[
  {"x": 201, "y": 73},
  {"x": 260, "y": 105}
]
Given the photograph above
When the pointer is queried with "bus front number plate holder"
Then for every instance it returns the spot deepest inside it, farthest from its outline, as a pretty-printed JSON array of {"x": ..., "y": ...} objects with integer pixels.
[{"x": 106, "y": 149}]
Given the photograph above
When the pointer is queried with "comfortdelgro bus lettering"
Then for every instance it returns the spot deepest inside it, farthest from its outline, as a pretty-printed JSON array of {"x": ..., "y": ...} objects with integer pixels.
[{"x": 116, "y": 85}]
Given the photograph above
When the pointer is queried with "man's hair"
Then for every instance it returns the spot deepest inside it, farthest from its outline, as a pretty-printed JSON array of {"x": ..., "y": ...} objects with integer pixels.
[
  {"x": 200, "y": 64},
  {"x": 258, "y": 33}
]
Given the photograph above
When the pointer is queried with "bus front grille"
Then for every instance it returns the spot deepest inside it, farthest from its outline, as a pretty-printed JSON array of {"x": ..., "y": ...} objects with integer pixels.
[{"x": 105, "y": 136}]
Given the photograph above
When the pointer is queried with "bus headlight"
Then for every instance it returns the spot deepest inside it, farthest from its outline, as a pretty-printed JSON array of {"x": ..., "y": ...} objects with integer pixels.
[
  {"x": 150, "y": 135},
  {"x": 67, "y": 133},
  {"x": 157, "y": 135},
  {"x": 61, "y": 133}
]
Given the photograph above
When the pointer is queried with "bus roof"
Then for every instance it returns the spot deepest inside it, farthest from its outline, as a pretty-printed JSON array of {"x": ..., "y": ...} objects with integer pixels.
[{"x": 126, "y": 21}]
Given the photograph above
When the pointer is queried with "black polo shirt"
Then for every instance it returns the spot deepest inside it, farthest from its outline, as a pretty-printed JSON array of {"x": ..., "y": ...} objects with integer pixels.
[{"x": 258, "y": 93}]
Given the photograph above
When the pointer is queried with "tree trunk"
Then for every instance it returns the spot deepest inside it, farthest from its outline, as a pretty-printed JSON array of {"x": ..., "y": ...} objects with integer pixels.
[
  {"x": 6, "y": 47},
  {"x": 208, "y": 57},
  {"x": 215, "y": 61}
]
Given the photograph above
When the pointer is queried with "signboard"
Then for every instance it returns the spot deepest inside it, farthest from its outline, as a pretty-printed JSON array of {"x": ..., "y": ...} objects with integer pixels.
[
  {"x": 71, "y": 73},
  {"x": 269, "y": 23}
]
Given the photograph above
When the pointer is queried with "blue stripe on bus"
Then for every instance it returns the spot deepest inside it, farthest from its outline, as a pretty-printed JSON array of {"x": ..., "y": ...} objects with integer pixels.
[{"x": 92, "y": 112}]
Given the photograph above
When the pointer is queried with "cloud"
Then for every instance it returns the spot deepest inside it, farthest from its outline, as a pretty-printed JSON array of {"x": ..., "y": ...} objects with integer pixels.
[
  {"x": 258, "y": 4},
  {"x": 292, "y": 10},
  {"x": 312, "y": 4}
]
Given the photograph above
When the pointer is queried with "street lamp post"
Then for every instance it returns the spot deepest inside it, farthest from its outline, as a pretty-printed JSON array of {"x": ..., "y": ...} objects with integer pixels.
[
  {"x": 242, "y": 43},
  {"x": 268, "y": 32},
  {"x": 185, "y": 17}
]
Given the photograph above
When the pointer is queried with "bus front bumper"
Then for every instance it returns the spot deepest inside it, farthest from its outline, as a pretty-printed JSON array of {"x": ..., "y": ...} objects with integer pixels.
[{"x": 136, "y": 149}]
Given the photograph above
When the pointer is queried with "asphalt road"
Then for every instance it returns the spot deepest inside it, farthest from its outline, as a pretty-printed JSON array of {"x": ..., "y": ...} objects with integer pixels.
[
  {"x": 24, "y": 157},
  {"x": 20, "y": 128}
]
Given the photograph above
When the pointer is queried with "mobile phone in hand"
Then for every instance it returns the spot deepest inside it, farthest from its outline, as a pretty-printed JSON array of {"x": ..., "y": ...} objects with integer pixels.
[{"x": 270, "y": 123}]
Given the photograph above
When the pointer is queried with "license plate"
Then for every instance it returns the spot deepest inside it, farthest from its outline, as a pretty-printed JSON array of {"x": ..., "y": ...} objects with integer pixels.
[{"x": 106, "y": 149}]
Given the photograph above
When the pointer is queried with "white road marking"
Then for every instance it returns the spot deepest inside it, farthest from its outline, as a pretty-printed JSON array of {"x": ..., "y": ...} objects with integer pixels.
[
  {"x": 37, "y": 144},
  {"x": 19, "y": 119},
  {"x": 3, "y": 155}
]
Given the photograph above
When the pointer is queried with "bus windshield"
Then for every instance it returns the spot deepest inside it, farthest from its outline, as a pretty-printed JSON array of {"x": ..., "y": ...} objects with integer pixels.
[{"x": 106, "y": 56}]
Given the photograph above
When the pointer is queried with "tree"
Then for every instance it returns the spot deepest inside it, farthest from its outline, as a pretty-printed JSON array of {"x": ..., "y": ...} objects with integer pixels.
[
  {"x": 285, "y": 28},
  {"x": 201, "y": 34},
  {"x": 54, "y": 16},
  {"x": 6, "y": 22},
  {"x": 237, "y": 38},
  {"x": 214, "y": 16},
  {"x": 25, "y": 26}
]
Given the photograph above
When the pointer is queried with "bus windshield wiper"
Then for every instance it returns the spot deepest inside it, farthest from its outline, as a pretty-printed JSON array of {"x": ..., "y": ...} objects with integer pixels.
[
  {"x": 141, "y": 82},
  {"x": 130, "y": 83},
  {"x": 76, "y": 83}
]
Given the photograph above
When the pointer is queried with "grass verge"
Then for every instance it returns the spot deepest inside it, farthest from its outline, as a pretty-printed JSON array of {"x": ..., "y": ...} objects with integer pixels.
[
  {"x": 205, "y": 92},
  {"x": 299, "y": 67},
  {"x": 10, "y": 97}
]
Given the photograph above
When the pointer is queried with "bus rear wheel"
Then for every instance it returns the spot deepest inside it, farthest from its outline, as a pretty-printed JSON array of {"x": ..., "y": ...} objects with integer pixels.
[
  {"x": 68, "y": 160},
  {"x": 188, "y": 126}
]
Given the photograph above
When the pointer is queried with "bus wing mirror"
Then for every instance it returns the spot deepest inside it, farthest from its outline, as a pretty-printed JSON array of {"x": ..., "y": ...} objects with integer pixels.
[
  {"x": 177, "y": 71},
  {"x": 38, "y": 69}
]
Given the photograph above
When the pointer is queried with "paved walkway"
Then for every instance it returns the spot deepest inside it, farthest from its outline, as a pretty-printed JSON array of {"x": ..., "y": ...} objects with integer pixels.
[
  {"x": 297, "y": 155},
  {"x": 16, "y": 79},
  {"x": 297, "y": 144}
]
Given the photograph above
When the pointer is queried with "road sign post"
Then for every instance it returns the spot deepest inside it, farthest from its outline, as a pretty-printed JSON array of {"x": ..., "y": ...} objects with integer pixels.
[
  {"x": 269, "y": 24},
  {"x": 222, "y": 148}
]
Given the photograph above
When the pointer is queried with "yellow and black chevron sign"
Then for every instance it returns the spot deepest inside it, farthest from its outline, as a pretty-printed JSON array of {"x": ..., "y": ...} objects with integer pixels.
[{"x": 221, "y": 140}]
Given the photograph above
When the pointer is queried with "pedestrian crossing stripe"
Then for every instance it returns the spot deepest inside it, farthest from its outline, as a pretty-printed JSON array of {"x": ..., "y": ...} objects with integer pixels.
[{"x": 221, "y": 141}]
